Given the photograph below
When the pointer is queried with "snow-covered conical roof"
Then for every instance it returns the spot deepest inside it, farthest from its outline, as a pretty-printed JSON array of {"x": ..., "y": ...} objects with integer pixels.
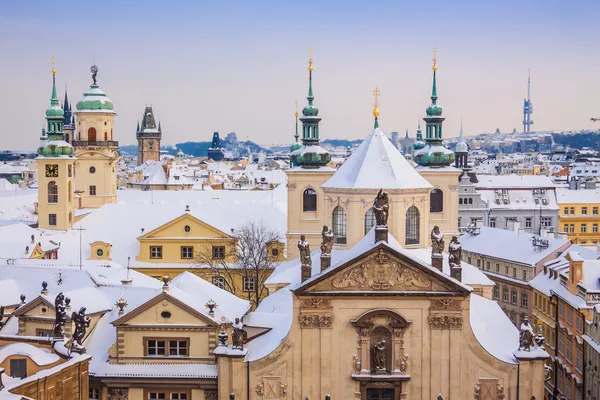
[{"x": 376, "y": 164}]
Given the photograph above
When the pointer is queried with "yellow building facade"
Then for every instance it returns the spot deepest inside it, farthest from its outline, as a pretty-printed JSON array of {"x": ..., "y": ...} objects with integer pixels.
[{"x": 579, "y": 214}]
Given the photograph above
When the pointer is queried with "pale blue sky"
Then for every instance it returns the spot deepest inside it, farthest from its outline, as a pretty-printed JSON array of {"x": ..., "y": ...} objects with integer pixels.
[{"x": 239, "y": 66}]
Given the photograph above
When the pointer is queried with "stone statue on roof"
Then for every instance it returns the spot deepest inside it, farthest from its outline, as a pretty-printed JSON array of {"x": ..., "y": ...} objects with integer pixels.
[
  {"x": 239, "y": 335},
  {"x": 455, "y": 250},
  {"x": 526, "y": 335},
  {"x": 82, "y": 322},
  {"x": 327, "y": 241},
  {"x": 304, "y": 248},
  {"x": 381, "y": 206},
  {"x": 61, "y": 316},
  {"x": 437, "y": 241}
]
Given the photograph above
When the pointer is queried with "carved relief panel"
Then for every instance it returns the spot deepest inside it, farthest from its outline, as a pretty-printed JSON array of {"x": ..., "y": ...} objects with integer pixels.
[
  {"x": 488, "y": 389},
  {"x": 445, "y": 314},
  {"x": 271, "y": 388},
  {"x": 315, "y": 313}
]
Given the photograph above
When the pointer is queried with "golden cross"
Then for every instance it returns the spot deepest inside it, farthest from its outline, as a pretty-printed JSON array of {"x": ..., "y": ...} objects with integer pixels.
[
  {"x": 52, "y": 59},
  {"x": 435, "y": 55},
  {"x": 296, "y": 114},
  {"x": 309, "y": 55},
  {"x": 376, "y": 94}
]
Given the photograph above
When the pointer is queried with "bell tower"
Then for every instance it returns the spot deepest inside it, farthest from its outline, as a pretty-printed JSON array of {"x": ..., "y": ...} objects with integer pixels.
[
  {"x": 55, "y": 164},
  {"x": 148, "y": 136},
  {"x": 95, "y": 147}
]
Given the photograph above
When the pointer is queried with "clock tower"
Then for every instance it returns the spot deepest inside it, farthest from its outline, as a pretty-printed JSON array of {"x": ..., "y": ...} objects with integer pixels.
[
  {"x": 56, "y": 163},
  {"x": 148, "y": 136},
  {"x": 95, "y": 147}
]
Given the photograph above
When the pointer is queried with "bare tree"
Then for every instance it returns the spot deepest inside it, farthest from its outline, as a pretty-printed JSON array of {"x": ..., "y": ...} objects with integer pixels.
[{"x": 249, "y": 258}]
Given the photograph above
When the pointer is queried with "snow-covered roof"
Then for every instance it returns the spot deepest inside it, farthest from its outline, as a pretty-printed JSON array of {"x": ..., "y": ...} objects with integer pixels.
[
  {"x": 376, "y": 164},
  {"x": 584, "y": 196},
  {"x": 16, "y": 242},
  {"x": 38, "y": 355},
  {"x": 156, "y": 370},
  {"x": 494, "y": 242},
  {"x": 492, "y": 328},
  {"x": 514, "y": 182}
]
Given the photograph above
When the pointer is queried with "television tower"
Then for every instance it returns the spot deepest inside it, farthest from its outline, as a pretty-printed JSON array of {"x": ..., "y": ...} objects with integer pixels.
[{"x": 527, "y": 107}]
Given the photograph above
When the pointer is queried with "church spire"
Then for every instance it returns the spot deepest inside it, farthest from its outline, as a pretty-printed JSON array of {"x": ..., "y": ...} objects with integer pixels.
[
  {"x": 376, "y": 94},
  {"x": 54, "y": 113},
  {"x": 296, "y": 136}
]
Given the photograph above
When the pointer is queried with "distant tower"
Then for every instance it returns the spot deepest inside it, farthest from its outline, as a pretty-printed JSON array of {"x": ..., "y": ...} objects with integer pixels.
[
  {"x": 55, "y": 164},
  {"x": 527, "y": 107},
  {"x": 215, "y": 152},
  {"x": 95, "y": 148},
  {"x": 69, "y": 119},
  {"x": 296, "y": 145},
  {"x": 461, "y": 151},
  {"x": 148, "y": 136}
]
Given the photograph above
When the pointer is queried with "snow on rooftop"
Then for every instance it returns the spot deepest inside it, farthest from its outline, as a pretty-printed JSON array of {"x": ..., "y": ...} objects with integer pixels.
[
  {"x": 583, "y": 196},
  {"x": 494, "y": 242},
  {"x": 514, "y": 182},
  {"x": 38, "y": 355},
  {"x": 376, "y": 164}
]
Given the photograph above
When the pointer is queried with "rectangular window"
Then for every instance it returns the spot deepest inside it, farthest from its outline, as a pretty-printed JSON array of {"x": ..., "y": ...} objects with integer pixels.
[
  {"x": 505, "y": 295},
  {"x": 583, "y": 228},
  {"x": 579, "y": 359},
  {"x": 513, "y": 297},
  {"x": 219, "y": 282},
  {"x": 566, "y": 210},
  {"x": 572, "y": 228},
  {"x": 157, "y": 396},
  {"x": 566, "y": 228},
  {"x": 492, "y": 222},
  {"x": 187, "y": 252},
  {"x": 218, "y": 252},
  {"x": 561, "y": 309},
  {"x": 546, "y": 222},
  {"x": 496, "y": 292},
  {"x": 506, "y": 270},
  {"x": 469, "y": 260},
  {"x": 487, "y": 265},
  {"x": 92, "y": 190},
  {"x": 572, "y": 210},
  {"x": 18, "y": 368},
  {"x": 155, "y": 348},
  {"x": 579, "y": 324},
  {"x": 497, "y": 267},
  {"x": 179, "y": 396},
  {"x": 524, "y": 274},
  {"x": 524, "y": 300},
  {"x": 178, "y": 347},
  {"x": 155, "y": 251},
  {"x": 561, "y": 343},
  {"x": 514, "y": 272},
  {"x": 569, "y": 351},
  {"x": 528, "y": 222},
  {"x": 479, "y": 264},
  {"x": 595, "y": 210},
  {"x": 94, "y": 394},
  {"x": 167, "y": 347},
  {"x": 52, "y": 219},
  {"x": 583, "y": 210},
  {"x": 43, "y": 332},
  {"x": 249, "y": 284},
  {"x": 595, "y": 228}
]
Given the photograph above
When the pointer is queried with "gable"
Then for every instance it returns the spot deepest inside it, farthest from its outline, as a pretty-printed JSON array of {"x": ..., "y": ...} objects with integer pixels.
[
  {"x": 38, "y": 307},
  {"x": 176, "y": 228},
  {"x": 154, "y": 312},
  {"x": 383, "y": 271}
]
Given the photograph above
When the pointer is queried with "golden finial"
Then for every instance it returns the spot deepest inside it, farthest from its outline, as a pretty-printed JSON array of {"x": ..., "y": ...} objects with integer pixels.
[
  {"x": 434, "y": 67},
  {"x": 310, "y": 66},
  {"x": 376, "y": 94},
  {"x": 296, "y": 114},
  {"x": 53, "y": 69}
]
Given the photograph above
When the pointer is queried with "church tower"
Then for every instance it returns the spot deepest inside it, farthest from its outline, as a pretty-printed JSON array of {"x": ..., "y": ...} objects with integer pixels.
[
  {"x": 69, "y": 119},
  {"x": 434, "y": 161},
  {"x": 306, "y": 209},
  {"x": 95, "y": 148},
  {"x": 148, "y": 136},
  {"x": 55, "y": 165},
  {"x": 461, "y": 150}
]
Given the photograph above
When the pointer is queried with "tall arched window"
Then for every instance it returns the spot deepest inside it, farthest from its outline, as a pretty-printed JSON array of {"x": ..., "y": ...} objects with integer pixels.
[
  {"x": 460, "y": 200},
  {"x": 369, "y": 220},
  {"x": 70, "y": 192},
  {"x": 105, "y": 136},
  {"x": 309, "y": 200},
  {"x": 52, "y": 192},
  {"x": 412, "y": 226},
  {"x": 92, "y": 135},
  {"x": 339, "y": 225},
  {"x": 470, "y": 200},
  {"x": 436, "y": 200}
]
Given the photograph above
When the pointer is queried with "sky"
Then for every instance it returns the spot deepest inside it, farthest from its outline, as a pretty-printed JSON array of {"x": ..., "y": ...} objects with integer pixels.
[{"x": 241, "y": 66}]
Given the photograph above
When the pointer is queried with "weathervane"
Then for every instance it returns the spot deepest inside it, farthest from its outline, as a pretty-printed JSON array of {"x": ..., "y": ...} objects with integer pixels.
[
  {"x": 376, "y": 94},
  {"x": 310, "y": 67},
  {"x": 434, "y": 58}
]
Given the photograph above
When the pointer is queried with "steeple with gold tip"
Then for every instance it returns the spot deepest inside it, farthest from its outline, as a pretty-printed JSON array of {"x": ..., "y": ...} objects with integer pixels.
[
  {"x": 55, "y": 146},
  {"x": 419, "y": 143},
  {"x": 310, "y": 155},
  {"x": 376, "y": 94},
  {"x": 434, "y": 154},
  {"x": 296, "y": 144}
]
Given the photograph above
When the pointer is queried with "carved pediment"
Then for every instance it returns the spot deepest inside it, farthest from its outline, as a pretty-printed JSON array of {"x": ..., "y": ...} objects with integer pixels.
[{"x": 382, "y": 271}]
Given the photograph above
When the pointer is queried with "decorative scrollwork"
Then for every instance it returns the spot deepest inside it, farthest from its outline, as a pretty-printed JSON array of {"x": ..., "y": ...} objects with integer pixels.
[
  {"x": 315, "y": 303},
  {"x": 445, "y": 304},
  {"x": 357, "y": 364},
  {"x": 404, "y": 363},
  {"x": 445, "y": 321},
  {"x": 315, "y": 320}
]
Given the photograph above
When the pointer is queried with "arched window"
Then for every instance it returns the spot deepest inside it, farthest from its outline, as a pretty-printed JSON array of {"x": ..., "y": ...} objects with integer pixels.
[
  {"x": 105, "y": 136},
  {"x": 369, "y": 220},
  {"x": 339, "y": 225},
  {"x": 70, "y": 192},
  {"x": 52, "y": 192},
  {"x": 460, "y": 200},
  {"x": 470, "y": 201},
  {"x": 309, "y": 200},
  {"x": 92, "y": 135},
  {"x": 436, "y": 201},
  {"x": 412, "y": 226}
]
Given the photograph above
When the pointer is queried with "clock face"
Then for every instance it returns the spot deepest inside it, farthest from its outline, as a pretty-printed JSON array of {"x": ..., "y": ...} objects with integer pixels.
[{"x": 52, "y": 171}]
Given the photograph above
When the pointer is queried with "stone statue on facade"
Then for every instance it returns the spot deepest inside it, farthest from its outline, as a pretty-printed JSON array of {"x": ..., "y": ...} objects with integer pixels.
[
  {"x": 304, "y": 248},
  {"x": 327, "y": 241},
  {"x": 379, "y": 355},
  {"x": 82, "y": 322},
  {"x": 437, "y": 241},
  {"x": 381, "y": 207},
  {"x": 239, "y": 335},
  {"x": 526, "y": 335},
  {"x": 61, "y": 316},
  {"x": 455, "y": 250}
]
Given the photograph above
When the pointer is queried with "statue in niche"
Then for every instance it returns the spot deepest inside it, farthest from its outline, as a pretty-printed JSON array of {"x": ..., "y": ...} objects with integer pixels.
[
  {"x": 304, "y": 248},
  {"x": 381, "y": 207},
  {"x": 437, "y": 241},
  {"x": 526, "y": 336},
  {"x": 327, "y": 241},
  {"x": 455, "y": 250},
  {"x": 379, "y": 355}
]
